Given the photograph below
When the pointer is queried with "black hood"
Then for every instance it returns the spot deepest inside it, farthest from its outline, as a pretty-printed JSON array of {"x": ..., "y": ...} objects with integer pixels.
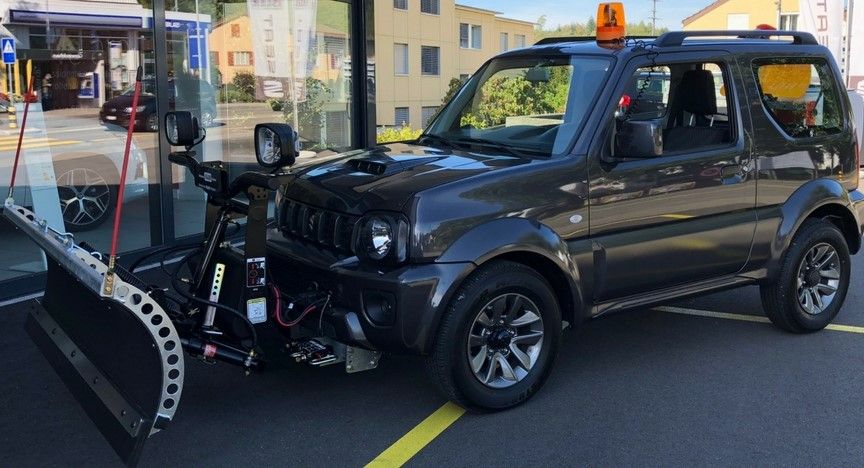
[{"x": 385, "y": 177}]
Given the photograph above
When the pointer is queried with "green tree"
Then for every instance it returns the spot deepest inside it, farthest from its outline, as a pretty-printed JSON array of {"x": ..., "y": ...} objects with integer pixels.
[
  {"x": 508, "y": 96},
  {"x": 244, "y": 82},
  {"x": 310, "y": 112}
]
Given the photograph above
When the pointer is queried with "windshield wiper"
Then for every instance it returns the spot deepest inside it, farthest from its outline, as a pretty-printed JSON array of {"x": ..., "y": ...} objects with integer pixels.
[
  {"x": 441, "y": 140},
  {"x": 513, "y": 151}
]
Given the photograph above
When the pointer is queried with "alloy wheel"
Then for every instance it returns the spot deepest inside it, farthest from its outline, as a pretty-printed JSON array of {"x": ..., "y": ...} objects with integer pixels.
[
  {"x": 505, "y": 340},
  {"x": 818, "y": 278},
  {"x": 85, "y": 196}
]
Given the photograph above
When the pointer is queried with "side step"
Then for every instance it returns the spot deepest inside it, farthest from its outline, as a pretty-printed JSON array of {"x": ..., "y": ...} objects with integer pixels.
[{"x": 119, "y": 355}]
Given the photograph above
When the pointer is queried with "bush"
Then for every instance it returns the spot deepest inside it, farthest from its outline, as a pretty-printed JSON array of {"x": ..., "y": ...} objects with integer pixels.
[
  {"x": 403, "y": 133},
  {"x": 244, "y": 82},
  {"x": 276, "y": 104},
  {"x": 233, "y": 94}
]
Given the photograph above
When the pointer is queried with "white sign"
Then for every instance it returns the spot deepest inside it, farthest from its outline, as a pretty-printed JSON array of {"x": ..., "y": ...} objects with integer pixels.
[
  {"x": 824, "y": 19},
  {"x": 281, "y": 51},
  {"x": 855, "y": 46}
]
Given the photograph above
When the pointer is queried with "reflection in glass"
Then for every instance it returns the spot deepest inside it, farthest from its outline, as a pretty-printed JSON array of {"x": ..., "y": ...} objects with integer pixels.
[{"x": 79, "y": 59}]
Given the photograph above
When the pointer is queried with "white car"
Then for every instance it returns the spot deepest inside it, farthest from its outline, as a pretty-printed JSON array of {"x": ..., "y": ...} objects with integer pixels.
[{"x": 87, "y": 177}]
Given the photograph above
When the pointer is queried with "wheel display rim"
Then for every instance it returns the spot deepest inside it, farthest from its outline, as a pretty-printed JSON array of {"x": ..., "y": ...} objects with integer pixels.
[
  {"x": 818, "y": 278},
  {"x": 85, "y": 196},
  {"x": 505, "y": 340}
]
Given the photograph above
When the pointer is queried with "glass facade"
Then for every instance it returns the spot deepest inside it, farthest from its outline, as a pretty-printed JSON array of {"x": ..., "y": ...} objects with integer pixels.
[{"x": 232, "y": 64}]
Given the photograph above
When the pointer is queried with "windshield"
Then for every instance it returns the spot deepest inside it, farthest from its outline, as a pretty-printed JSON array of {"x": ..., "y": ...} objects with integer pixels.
[
  {"x": 531, "y": 104},
  {"x": 148, "y": 88}
]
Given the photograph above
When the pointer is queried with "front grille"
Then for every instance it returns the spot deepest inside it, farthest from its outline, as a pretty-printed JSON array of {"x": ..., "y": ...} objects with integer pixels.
[{"x": 328, "y": 229}]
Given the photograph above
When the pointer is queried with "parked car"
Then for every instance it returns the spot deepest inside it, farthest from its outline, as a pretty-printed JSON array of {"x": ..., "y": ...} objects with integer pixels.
[
  {"x": 478, "y": 243},
  {"x": 86, "y": 179},
  {"x": 189, "y": 94}
]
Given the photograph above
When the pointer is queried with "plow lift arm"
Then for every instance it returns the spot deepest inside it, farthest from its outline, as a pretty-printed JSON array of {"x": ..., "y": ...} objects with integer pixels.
[{"x": 113, "y": 339}]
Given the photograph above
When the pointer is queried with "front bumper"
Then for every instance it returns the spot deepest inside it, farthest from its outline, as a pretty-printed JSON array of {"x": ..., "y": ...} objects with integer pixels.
[{"x": 419, "y": 294}]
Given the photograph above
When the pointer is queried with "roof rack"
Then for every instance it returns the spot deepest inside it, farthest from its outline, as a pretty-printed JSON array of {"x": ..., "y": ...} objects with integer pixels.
[
  {"x": 676, "y": 38},
  {"x": 556, "y": 40}
]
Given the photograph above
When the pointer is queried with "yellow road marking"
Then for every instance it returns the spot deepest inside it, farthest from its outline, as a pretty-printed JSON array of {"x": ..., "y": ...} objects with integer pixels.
[
  {"x": 37, "y": 144},
  {"x": 748, "y": 318},
  {"x": 411, "y": 443},
  {"x": 422, "y": 434}
]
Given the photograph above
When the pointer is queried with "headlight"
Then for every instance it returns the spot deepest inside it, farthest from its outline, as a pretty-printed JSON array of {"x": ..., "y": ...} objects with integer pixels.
[
  {"x": 381, "y": 237},
  {"x": 128, "y": 110}
]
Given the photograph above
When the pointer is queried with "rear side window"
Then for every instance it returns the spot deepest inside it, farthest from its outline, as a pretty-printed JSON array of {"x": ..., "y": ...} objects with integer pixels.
[{"x": 800, "y": 95}]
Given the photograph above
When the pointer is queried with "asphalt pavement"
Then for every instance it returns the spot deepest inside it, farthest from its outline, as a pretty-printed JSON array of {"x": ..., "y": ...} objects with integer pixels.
[{"x": 638, "y": 388}]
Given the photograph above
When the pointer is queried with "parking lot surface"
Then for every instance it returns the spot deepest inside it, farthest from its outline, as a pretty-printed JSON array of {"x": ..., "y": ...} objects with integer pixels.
[{"x": 656, "y": 386}]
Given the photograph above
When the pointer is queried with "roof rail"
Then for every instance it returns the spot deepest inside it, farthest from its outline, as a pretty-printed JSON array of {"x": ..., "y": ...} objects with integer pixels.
[
  {"x": 676, "y": 38},
  {"x": 556, "y": 40}
]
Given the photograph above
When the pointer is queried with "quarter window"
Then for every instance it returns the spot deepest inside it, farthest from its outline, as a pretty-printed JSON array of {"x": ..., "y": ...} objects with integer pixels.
[{"x": 800, "y": 96}]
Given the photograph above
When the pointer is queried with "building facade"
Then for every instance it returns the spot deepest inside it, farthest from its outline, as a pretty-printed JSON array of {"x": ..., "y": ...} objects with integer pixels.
[
  {"x": 744, "y": 14},
  {"x": 422, "y": 45}
]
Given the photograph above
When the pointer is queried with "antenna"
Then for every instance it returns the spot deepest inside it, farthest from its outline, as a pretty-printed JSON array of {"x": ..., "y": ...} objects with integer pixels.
[{"x": 654, "y": 17}]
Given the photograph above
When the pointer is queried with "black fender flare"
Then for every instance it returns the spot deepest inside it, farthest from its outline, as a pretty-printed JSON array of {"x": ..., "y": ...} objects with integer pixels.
[
  {"x": 813, "y": 196},
  {"x": 504, "y": 236}
]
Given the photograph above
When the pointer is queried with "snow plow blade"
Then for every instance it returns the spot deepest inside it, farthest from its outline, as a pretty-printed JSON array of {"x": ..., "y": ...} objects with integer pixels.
[{"x": 119, "y": 354}]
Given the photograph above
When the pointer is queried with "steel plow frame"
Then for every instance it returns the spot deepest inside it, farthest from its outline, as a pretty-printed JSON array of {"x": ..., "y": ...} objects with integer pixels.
[{"x": 118, "y": 353}]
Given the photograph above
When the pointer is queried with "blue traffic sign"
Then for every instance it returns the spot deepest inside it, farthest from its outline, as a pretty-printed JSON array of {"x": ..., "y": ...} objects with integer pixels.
[{"x": 7, "y": 46}]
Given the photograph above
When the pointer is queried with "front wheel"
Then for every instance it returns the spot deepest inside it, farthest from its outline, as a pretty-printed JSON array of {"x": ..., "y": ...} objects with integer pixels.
[
  {"x": 811, "y": 285},
  {"x": 498, "y": 338}
]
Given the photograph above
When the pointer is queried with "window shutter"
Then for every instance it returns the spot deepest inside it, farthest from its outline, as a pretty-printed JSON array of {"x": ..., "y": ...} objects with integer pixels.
[
  {"x": 230, "y": 59},
  {"x": 251, "y": 58}
]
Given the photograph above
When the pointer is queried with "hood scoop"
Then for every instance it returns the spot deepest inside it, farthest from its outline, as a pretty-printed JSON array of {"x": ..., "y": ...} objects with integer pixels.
[{"x": 383, "y": 167}]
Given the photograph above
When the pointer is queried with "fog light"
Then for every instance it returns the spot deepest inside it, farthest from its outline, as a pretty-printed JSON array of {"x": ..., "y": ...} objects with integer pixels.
[{"x": 380, "y": 307}]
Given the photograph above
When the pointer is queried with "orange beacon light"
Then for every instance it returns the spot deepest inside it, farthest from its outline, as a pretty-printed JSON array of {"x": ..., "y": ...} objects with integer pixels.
[{"x": 610, "y": 23}]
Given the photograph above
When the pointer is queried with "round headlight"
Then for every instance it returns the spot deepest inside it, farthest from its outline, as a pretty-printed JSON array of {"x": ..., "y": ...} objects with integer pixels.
[
  {"x": 269, "y": 151},
  {"x": 380, "y": 238}
]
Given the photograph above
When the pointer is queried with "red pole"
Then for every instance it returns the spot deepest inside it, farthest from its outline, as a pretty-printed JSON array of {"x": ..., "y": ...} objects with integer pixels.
[
  {"x": 109, "y": 280},
  {"x": 21, "y": 134}
]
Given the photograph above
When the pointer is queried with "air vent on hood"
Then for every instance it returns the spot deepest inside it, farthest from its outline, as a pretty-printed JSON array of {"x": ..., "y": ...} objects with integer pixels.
[
  {"x": 388, "y": 166},
  {"x": 367, "y": 166}
]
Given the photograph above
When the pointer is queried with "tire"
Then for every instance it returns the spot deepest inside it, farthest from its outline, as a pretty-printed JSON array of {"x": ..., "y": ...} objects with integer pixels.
[
  {"x": 87, "y": 196},
  {"x": 496, "y": 288},
  {"x": 800, "y": 299}
]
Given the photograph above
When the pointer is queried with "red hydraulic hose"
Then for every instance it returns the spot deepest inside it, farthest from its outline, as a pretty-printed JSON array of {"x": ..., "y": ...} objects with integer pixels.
[
  {"x": 21, "y": 134},
  {"x": 122, "y": 187}
]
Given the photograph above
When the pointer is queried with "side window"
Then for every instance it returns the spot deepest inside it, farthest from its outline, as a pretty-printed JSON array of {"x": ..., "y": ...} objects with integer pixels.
[
  {"x": 801, "y": 96},
  {"x": 647, "y": 95},
  {"x": 686, "y": 104}
]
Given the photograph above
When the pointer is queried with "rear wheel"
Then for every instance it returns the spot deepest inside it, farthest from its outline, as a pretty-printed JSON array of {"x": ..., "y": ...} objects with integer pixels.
[
  {"x": 498, "y": 339},
  {"x": 86, "y": 196},
  {"x": 813, "y": 279}
]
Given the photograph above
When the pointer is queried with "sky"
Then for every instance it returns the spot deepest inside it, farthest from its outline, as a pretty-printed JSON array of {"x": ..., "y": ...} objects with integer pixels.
[{"x": 669, "y": 12}]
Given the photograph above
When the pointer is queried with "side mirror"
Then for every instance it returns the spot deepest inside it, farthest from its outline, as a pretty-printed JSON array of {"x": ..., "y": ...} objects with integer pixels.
[
  {"x": 275, "y": 144},
  {"x": 182, "y": 129},
  {"x": 639, "y": 139}
]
